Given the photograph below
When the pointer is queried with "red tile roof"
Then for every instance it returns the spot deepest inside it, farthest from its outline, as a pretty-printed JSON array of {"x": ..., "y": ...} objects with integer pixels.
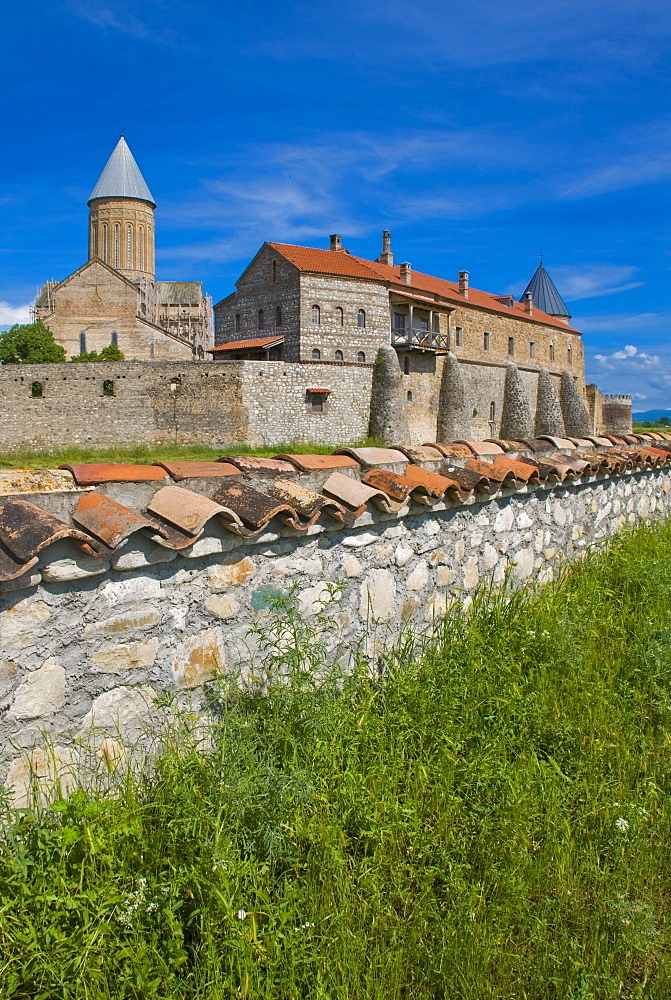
[
  {"x": 240, "y": 345},
  {"x": 340, "y": 262}
]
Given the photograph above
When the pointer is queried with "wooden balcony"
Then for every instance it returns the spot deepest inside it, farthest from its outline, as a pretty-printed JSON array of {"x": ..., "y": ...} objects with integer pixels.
[{"x": 419, "y": 339}]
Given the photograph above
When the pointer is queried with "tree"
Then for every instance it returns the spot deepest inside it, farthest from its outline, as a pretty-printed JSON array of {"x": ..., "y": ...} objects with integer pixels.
[
  {"x": 665, "y": 422},
  {"x": 109, "y": 353},
  {"x": 31, "y": 344}
]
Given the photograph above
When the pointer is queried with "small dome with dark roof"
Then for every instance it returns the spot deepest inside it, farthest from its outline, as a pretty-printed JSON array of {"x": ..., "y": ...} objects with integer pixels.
[
  {"x": 121, "y": 177},
  {"x": 545, "y": 295}
]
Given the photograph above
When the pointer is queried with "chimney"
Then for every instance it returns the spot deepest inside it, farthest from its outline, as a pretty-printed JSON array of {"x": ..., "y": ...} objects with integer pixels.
[
  {"x": 463, "y": 283},
  {"x": 386, "y": 257},
  {"x": 406, "y": 273},
  {"x": 529, "y": 303},
  {"x": 336, "y": 242}
]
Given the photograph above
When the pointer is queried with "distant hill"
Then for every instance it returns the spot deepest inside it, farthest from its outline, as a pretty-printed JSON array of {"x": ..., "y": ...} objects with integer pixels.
[{"x": 650, "y": 415}]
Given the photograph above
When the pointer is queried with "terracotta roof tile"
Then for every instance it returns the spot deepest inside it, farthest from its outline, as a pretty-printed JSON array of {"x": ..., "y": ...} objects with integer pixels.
[
  {"x": 108, "y": 472},
  {"x": 479, "y": 448},
  {"x": 355, "y": 495},
  {"x": 313, "y": 463},
  {"x": 26, "y": 529},
  {"x": 422, "y": 454},
  {"x": 110, "y": 522},
  {"x": 253, "y": 508},
  {"x": 371, "y": 457},
  {"x": 469, "y": 481},
  {"x": 340, "y": 262},
  {"x": 268, "y": 466},
  {"x": 436, "y": 484},
  {"x": 243, "y": 345},
  {"x": 526, "y": 473},
  {"x": 307, "y": 504},
  {"x": 504, "y": 476},
  {"x": 198, "y": 470},
  {"x": 454, "y": 450}
]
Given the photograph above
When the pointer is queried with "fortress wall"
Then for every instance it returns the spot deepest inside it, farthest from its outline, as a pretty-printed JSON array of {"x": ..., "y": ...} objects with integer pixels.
[
  {"x": 86, "y": 641},
  {"x": 214, "y": 403}
]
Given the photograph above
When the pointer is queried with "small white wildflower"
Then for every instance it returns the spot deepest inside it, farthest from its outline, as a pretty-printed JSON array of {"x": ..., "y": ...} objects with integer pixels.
[
  {"x": 241, "y": 914},
  {"x": 302, "y": 927},
  {"x": 622, "y": 824}
]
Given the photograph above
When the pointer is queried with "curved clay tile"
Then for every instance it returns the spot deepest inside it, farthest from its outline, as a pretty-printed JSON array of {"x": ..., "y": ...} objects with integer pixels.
[
  {"x": 307, "y": 504},
  {"x": 26, "y": 530},
  {"x": 109, "y": 472},
  {"x": 108, "y": 521},
  {"x": 526, "y": 473},
  {"x": 469, "y": 481},
  {"x": 479, "y": 448},
  {"x": 314, "y": 463},
  {"x": 436, "y": 484},
  {"x": 198, "y": 470},
  {"x": 421, "y": 454},
  {"x": 506, "y": 478},
  {"x": 370, "y": 458},
  {"x": 355, "y": 496},
  {"x": 251, "y": 510}
]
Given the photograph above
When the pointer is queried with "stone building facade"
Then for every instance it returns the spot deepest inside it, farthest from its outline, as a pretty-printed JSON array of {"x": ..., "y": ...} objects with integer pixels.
[{"x": 115, "y": 297}]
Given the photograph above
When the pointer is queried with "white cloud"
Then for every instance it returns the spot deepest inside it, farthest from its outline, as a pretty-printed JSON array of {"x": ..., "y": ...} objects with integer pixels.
[
  {"x": 592, "y": 280},
  {"x": 13, "y": 314},
  {"x": 629, "y": 353}
]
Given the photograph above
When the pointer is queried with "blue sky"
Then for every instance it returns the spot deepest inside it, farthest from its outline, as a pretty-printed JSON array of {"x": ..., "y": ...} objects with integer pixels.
[{"x": 480, "y": 134}]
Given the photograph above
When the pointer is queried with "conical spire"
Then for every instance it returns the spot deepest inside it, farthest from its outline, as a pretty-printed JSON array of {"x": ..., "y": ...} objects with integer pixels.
[
  {"x": 545, "y": 295},
  {"x": 121, "y": 177}
]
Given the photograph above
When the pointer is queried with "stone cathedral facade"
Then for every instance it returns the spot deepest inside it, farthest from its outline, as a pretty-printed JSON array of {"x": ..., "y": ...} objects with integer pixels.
[{"x": 115, "y": 298}]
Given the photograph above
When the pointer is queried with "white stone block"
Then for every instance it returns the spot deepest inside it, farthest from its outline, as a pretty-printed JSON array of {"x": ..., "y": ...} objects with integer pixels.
[{"x": 42, "y": 693}]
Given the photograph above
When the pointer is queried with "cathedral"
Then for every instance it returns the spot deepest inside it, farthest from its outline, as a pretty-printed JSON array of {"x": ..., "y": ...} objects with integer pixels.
[{"x": 114, "y": 298}]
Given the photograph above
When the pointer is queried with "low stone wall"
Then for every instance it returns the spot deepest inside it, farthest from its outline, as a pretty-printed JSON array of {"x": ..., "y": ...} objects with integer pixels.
[{"x": 88, "y": 642}]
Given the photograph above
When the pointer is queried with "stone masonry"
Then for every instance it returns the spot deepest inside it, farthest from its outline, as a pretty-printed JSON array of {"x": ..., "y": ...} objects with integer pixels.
[{"x": 87, "y": 645}]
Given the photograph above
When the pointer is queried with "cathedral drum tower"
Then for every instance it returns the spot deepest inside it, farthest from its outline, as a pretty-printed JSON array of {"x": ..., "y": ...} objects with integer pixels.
[{"x": 121, "y": 217}]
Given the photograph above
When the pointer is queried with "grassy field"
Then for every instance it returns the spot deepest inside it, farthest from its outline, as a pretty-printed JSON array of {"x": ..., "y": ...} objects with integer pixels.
[
  {"x": 144, "y": 454},
  {"x": 642, "y": 428},
  {"x": 488, "y": 818}
]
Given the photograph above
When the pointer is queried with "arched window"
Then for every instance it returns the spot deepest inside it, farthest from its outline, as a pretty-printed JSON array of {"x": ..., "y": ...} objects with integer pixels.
[
  {"x": 114, "y": 338},
  {"x": 274, "y": 270},
  {"x": 552, "y": 352},
  {"x": 82, "y": 343},
  {"x": 340, "y": 316},
  {"x": 36, "y": 390},
  {"x": 116, "y": 245},
  {"x": 95, "y": 239},
  {"x": 361, "y": 317},
  {"x": 406, "y": 365},
  {"x": 532, "y": 349},
  {"x": 105, "y": 243},
  {"x": 316, "y": 354},
  {"x": 492, "y": 411},
  {"x": 511, "y": 347},
  {"x": 569, "y": 355},
  {"x": 361, "y": 358},
  {"x": 129, "y": 247},
  {"x": 410, "y": 395},
  {"x": 237, "y": 322},
  {"x": 316, "y": 314},
  {"x": 262, "y": 320},
  {"x": 278, "y": 315},
  {"x": 140, "y": 248},
  {"x": 338, "y": 355}
]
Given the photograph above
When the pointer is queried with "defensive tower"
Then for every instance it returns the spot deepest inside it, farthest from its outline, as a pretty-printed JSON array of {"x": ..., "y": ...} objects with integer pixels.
[
  {"x": 121, "y": 217},
  {"x": 545, "y": 295}
]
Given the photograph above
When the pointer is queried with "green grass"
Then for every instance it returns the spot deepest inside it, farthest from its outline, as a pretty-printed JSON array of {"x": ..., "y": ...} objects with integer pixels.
[
  {"x": 642, "y": 428},
  {"x": 488, "y": 817},
  {"x": 141, "y": 453}
]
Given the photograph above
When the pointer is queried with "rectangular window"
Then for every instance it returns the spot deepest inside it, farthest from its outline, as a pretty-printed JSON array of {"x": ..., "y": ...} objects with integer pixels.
[
  {"x": 552, "y": 352},
  {"x": 511, "y": 347},
  {"x": 316, "y": 402},
  {"x": 459, "y": 337},
  {"x": 436, "y": 323},
  {"x": 399, "y": 321},
  {"x": 570, "y": 355},
  {"x": 532, "y": 349},
  {"x": 486, "y": 341}
]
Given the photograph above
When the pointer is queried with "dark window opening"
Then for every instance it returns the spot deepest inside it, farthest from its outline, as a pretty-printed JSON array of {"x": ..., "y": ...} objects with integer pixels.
[
  {"x": 436, "y": 323},
  {"x": 151, "y": 351},
  {"x": 492, "y": 411},
  {"x": 114, "y": 338},
  {"x": 486, "y": 341},
  {"x": 36, "y": 390},
  {"x": 316, "y": 402},
  {"x": 82, "y": 343},
  {"x": 108, "y": 387},
  {"x": 361, "y": 318},
  {"x": 459, "y": 337},
  {"x": 532, "y": 349},
  {"x": 552, "y": 352},
  {"x": 511, "y": 347},
  {"x": 175, "y": 384},
  {"x": 316, "y": 354},
  {"x": 262, "y": 320},
  {"x": 237, "y": 322},
  {"x": 410, "y": 395},
  {"x": 361, "y": 358},
  {"x": 278, "y": 315},
  {"x": 316, "y": 314},
  {"x": 406, "y": 365},
  {"x": 338, "y": 355},
  {"x": 274, "y": 270},
  {"x": 340, "y": 316}
]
